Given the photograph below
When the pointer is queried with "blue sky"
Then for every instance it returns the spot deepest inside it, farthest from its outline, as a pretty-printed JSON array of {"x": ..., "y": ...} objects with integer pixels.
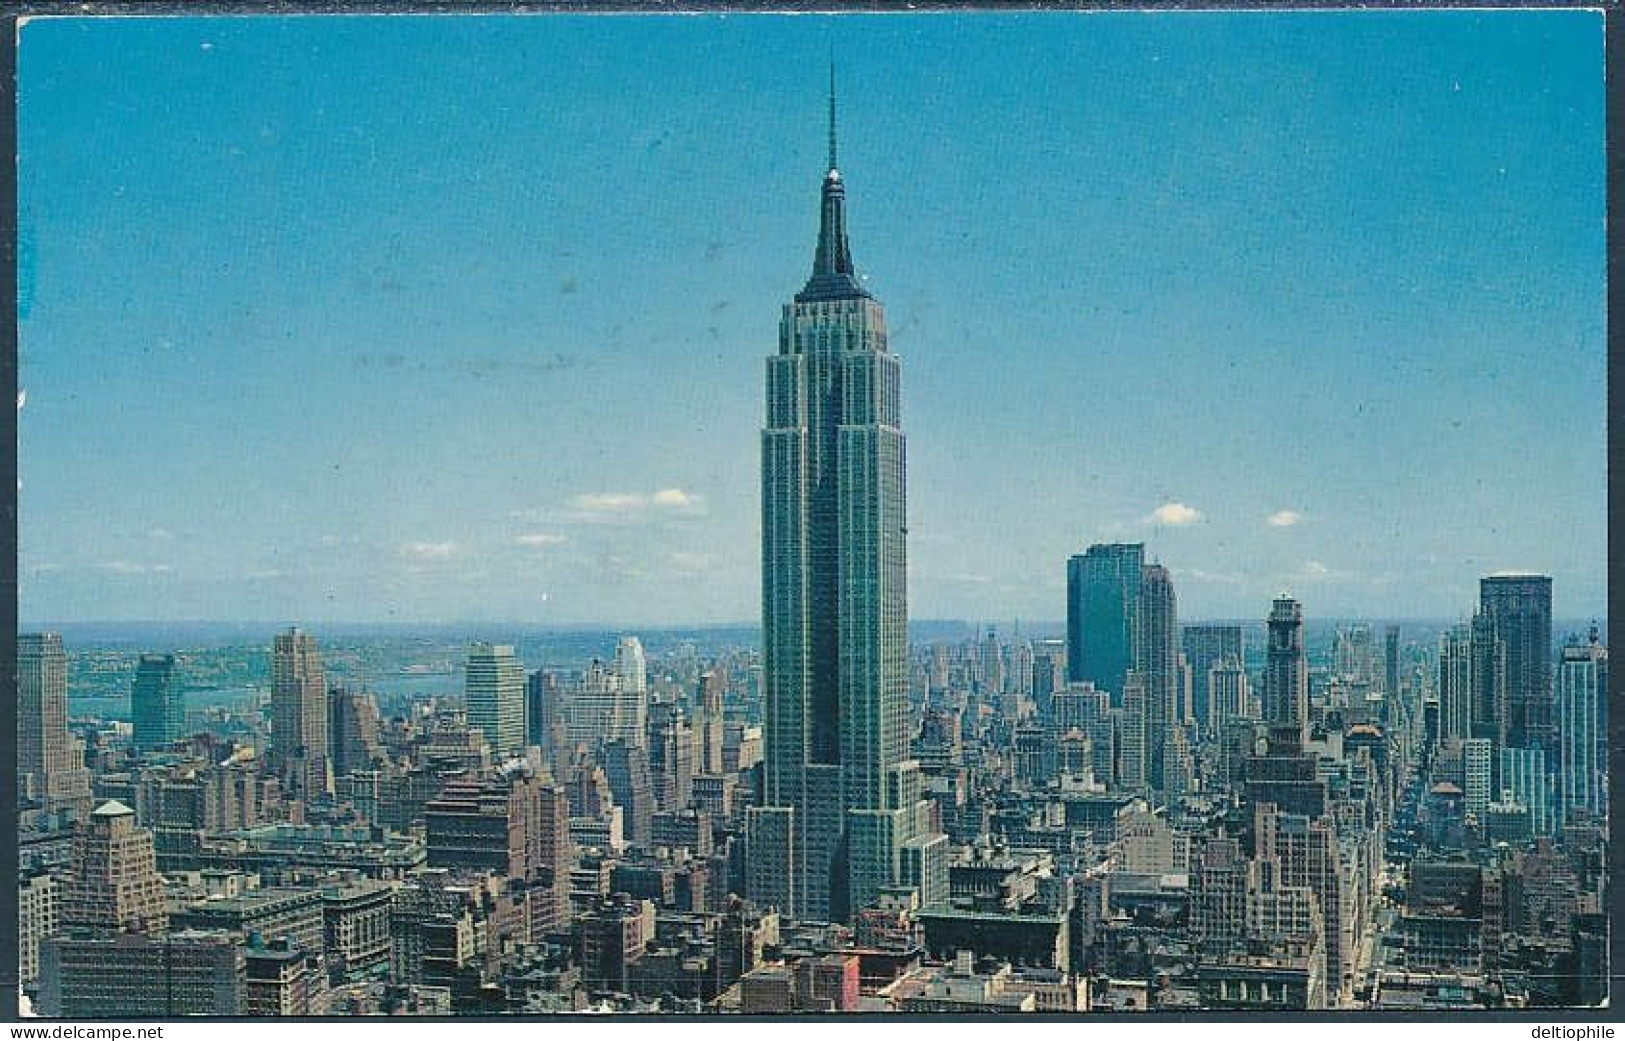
[{"x": 418, "y": 318}]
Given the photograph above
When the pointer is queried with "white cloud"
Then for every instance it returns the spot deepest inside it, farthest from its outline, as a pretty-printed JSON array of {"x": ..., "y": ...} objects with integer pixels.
[
  {"x": 675, "y": 497},
  {"x": 1284, "y": 518},
  {"x": 1174, "y": 514},
  {"x": 617, "y": 507},
  {"x": 610, "y": 502},
  {"x": 540, "y": 538},
  {"x": 429, "y": 550}
]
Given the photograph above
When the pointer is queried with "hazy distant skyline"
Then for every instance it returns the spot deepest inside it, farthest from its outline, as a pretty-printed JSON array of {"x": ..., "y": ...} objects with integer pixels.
[{"x": 411, "y": 318}]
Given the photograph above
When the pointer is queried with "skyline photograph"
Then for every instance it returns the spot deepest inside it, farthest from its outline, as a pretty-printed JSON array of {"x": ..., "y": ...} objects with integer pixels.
[{"x": 766, "y": 515}]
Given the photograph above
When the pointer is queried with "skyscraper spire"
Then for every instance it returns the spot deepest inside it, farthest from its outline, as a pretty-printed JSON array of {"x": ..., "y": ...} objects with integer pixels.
[
  {"x": 832, "y": 109},
  {"x": 833, "y": 277}
]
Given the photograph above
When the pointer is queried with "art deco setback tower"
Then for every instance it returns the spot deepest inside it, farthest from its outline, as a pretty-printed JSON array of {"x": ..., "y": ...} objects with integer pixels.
[
  {"x": 299, "y": 712},
  {"x": 115, "y": 883},
  {"x": 49, "y": 766},
  {"x": 841, "y": 800},
  {"x": 1286, "y": 678}
]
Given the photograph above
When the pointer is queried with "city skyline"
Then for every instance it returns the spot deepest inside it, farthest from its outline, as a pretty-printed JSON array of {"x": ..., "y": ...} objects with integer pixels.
[
  {"x": 617, "y": 393},
  {"x": 1240, "y": 297}
]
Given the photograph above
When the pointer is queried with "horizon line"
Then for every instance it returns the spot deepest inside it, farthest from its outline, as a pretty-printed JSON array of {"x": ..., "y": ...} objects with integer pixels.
[{"x": 47, "y": 624}]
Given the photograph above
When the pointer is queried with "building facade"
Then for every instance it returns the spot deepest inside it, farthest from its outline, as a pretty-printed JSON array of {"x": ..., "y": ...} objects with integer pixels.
[
  {"x": 1520, "y": 608},
  {"x": 1103, "y": 615},
  {"x": 157, "y": 711},
  {"x": 49, "y": 767},
  {"x": 299, "y": 713},
  {"x": 841, "y": 797},
  {"x": 494, "y": 686}
]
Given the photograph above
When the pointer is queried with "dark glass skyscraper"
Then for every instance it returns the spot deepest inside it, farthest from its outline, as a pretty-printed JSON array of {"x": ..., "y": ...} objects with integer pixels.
[
  {"x": 1159, "y": 622},
  {"x": 157, "y": 713},
  {"x": 1103, "y": 615},
  {"x": 841, "y": 814},
  {"x": 1520, "y": 607}
]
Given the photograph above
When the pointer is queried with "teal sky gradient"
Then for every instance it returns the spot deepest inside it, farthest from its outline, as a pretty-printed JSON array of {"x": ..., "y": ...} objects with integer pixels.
[{"x": 463, "y": 318}]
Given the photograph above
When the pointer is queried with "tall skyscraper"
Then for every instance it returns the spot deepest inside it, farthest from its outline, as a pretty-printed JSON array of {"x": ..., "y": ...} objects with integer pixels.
[
  {"x": 608, "y": 705},
  {"x": 1455, "y": 683},
  {"x": 299, "y": 713},
  {"x": 494, "y": 687},
  {"x": 1390, "y": 661},
  {"x": 632, "y": 687},
  {"x": 1582, "y": 702},
  {"x": 712, "y": 686},
  {"x": 1488, "y": 680},
  {"x": 352, "y": 731},
  {"x": 992, "y": 660},
  {"x": 1103, "y": 615},
  {"x": 49, "y": 769},
  {"x": 626, "y": 767},
  {"x": 157, "y": 713},
  {"x": 1524, "y": 774},
  {"x": 1286, "y": 677},
  {"x": 1206, "y": 646},
  {"x": 1159, "y": 651},
  {"x": 1230, "y": 697},
  {"x": 631, "y": 665},
  {"x": 1520, "y": 606},
  {"x": 545, "y": 717},
  {"x": 841, "y": 798}
]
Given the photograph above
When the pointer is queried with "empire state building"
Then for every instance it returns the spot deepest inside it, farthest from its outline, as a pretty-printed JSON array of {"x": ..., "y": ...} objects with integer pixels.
[{"x": 841, "y": 819}]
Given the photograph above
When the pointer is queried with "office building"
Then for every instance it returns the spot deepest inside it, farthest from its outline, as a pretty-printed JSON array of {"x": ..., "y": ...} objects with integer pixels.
[
  {"x": 494, "y": 687},
  {"x": 1206, "y": 646},
  {"x": 353, "y": 731},
  {"x": 608, "y": 705},
  {"x": 1582, "y": 703},
  {"x": 157, "y": 710},
  {"x": 299, "y": 714},
  {"x": 39, "y": 896},
  {"x": 545, "y": 717},
  {"x": 1286, "y": 677},
  {"x": 1456, "y": 693},
  {"x": 841, "y": 798},
  {"x": 1520, "y": 608},
  {"x": 115, "y": 885},
  {"x": 1159, "y": 647},
  {"x": 1103, "y": 615},
  {"x": 133, "y": 976},
  {"x": 1488, "y": 680},
  {"x": 50, "y": 767}
]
